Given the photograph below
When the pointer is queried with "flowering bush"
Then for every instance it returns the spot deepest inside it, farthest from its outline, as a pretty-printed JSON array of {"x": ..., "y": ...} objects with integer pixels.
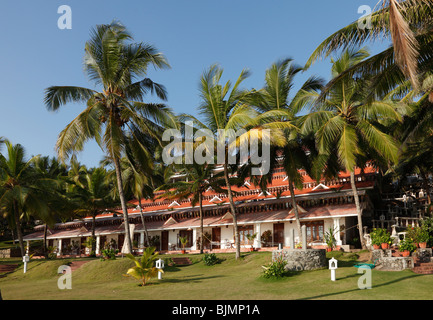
[
  {"x": 407, "y": 244},
  {"x": 418, "y": 234},
  {"x": 379, "y": 236}
]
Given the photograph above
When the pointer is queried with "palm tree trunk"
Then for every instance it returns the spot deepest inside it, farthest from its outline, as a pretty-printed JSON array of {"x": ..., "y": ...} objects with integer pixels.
[
  {"x": 143, "y": 223},
  {"x": 200, "y": 202},
  {"x": 358, "y": 208},
  {"x": 93, "y": 250},
  {"x": 233, "y": 210},
  {"x": 45, "y": 252},
  {"x": 123, "y": 204},
  {"x": 18, "y": 227},
  {"x": 295, "y": 209}
]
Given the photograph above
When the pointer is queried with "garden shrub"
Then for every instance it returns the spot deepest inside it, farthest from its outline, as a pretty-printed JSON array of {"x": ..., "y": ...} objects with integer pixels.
[
  {"x": 210, "y": 259},
  {"x": 275, "y": 269}
]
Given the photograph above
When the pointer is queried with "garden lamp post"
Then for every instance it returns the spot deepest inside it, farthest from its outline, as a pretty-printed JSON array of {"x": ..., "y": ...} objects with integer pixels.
[
  {"x": 160, "y": 265},
  {"x": 333, "y": 265}
]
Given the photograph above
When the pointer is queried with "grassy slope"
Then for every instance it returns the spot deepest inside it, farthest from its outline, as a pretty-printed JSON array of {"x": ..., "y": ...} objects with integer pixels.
[{"x": 229, "y": 280}]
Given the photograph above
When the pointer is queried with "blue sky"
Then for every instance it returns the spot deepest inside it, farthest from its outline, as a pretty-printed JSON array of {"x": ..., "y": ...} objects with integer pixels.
[{"x": 193, "y": 34}]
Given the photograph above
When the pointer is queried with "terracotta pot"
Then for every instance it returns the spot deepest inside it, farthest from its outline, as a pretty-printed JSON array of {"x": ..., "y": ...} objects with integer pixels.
[
  {"x": 405, "y": 253},
  {"x": 328, "y": 249},
  {"x": 183, "y": 251},
  {"x": 423, "y": 245},
  {"x": 376, "y": 247},
  {"x": 385, "y": 245}
]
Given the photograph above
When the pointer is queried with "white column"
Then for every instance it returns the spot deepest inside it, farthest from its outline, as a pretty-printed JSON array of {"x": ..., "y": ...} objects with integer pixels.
[
  {"x": 257, "y": 241},
  {"x": 59, "y": 246},
  {"x": 337, "y": 231},
  {"x": 141, "y": 245},
  {"x": 98, "y": 242},
  {"x": 194, "y": 239}
]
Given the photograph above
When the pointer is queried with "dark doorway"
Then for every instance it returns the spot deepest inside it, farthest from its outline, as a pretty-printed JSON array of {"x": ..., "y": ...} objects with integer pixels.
[
  {"x": 164, "y": 240},
  {"x": 278, "y": 233}
]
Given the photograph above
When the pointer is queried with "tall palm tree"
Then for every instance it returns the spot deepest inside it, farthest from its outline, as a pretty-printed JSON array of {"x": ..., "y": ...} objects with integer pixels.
[
  {"x": 406, "y": 23},
  {"x": 224, "y": 111},
  {"x": 198, "y": 180},
  {"x": 92, "y": 197},
  {"x": 53, "y": 176},
  {"x": 118, "y": 110},
  {"x": 21, "y": 191},
  {"x": 276, "y": 105},
  {"x": 344, "y": 123}
]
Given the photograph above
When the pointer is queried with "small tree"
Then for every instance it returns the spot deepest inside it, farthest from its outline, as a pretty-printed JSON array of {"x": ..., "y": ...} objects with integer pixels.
[
  {"x": 183, "y": 241},
  {"x": 330, "y": 238},
  {"x": 144, "y": 269},
  {"x": 251, "y": 238}
]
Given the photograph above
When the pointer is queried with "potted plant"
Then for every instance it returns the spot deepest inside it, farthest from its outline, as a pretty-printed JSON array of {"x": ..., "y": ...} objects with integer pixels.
[
  {"x": 406, "y": 247},
  {"x": 420, "y": 236},
  {"x": 251, "y": 238},
  {"x": 375, "y": 236},
  {"x": 330, "y": 239},
  {"x": 183, "y": 242},
  {"x": 423, "y": 237},
  {"x": 386, "y": 240}
]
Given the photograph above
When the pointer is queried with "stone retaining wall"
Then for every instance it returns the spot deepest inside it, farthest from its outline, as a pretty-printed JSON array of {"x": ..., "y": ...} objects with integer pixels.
[
  {"x": 385, "y": 261},
  {"x": 10, "y": 253},
  {"x": 299, "y": 260},
  {"x": 5, "y": 253}
]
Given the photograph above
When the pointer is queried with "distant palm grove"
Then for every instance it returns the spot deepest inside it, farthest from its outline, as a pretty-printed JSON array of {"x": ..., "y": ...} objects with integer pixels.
[{"x": 375, "y": 110}]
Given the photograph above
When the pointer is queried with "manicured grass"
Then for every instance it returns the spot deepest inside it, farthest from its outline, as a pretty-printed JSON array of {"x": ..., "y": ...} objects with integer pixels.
[{"x": 228, "y": 280}]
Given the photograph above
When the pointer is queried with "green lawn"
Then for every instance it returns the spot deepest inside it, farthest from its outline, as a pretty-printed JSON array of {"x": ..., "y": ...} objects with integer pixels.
[{"x": 229, "y": 280}]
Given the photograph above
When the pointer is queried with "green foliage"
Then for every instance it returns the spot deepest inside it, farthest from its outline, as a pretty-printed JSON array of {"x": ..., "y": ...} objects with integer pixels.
[
  {"x": 210, "y": 259},
  {"x": 330, "y": 237},
  {"x": 275, "y": 269},
  {"x": 379, "y": 236},
  {"x": 169, "y": 262},
  {"x": 407, "y": 244},
  {"x": 251, "y": 237},
  {"x": 418, "y": 234},
  {"x": 183, "y": 241},
  {"x": 109, "y": 253},
  {"x": 427, "y": 224},
  {"x": 144, "y": 269},
  {"x": 51, "y": 253}
]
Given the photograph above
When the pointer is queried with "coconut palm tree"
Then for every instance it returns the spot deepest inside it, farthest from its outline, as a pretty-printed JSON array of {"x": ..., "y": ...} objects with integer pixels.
[
  {"x": 276, "y": 106},
  {"x": 22, "y": 193},
  {"x": 198, "y": 179},
  {"x": 224, "y": 111},
  {"x": 345, "y": 124},
  {"x": 92, "y": 197},
  {"x": 117, "y": 111},
  {"x": 53, "y": 176},
  {"x": 406, "y": 23}
]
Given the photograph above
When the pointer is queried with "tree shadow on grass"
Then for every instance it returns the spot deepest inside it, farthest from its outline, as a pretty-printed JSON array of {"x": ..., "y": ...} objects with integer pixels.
[
  {"x": 195, "y": 278},
  {"x": 357, "y": 289}
]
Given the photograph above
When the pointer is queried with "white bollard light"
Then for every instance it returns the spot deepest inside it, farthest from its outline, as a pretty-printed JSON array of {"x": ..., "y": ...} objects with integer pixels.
[
  {"x": 333, "y": 265},
  {"x": 26, "y": 259},
  {"x": 160, "y": 265}
]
